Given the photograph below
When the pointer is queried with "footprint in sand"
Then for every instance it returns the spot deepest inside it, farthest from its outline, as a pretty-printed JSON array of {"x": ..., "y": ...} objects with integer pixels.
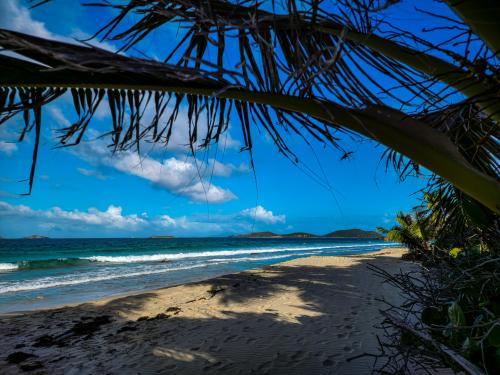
[
  {"x": 329, "y": 361},
  {"x": 299, "y": 355},
  {"x": 348, "y": 349},
  {"x": 210, "y": 367},
  {"x": 321, "y": 331},
  {"x": 264, "y": 367},
  {"x": 230, "y": 338}
]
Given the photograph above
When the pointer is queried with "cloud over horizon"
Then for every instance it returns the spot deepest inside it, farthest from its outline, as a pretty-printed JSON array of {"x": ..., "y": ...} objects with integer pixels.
[
  {"x": 259, "y": 213},
  {"x": 112, "y": 218},
  {"x": 56, "y": 220}
]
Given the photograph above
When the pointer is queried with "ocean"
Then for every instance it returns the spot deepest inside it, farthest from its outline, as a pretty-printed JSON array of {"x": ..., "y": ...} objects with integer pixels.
[{"x": 44, "y": 273}]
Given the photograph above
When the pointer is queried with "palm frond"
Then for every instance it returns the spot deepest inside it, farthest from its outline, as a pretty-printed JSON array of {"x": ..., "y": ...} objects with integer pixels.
[
  {"x": 314, "y": 48},
  {"x": 307, "y": 71},
  {"x": 130, "y": 82}
]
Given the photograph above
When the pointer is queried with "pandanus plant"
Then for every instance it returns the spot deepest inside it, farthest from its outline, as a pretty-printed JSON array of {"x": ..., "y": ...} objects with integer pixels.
[{"x": 312, "y": 68}]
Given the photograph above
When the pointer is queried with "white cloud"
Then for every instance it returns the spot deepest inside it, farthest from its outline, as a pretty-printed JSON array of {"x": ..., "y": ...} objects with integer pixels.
[
  {"x": 92, "y": 173},
  {"x": 111, "y": 218},
  {"x": 7, "y": 148},
  {"x": 23, "y": 220},
  {"x": 259, "y": 213},
  {"x": 225, "y": 170},
  {"x": 16, "y": 17},
  {"x": 166, "y": 221},
  {"x": 186, "y": 176},
  {"x": 189, "y": 225},
  {"x": 182, "y": 177},
  {"x": 60, "y": 120}
]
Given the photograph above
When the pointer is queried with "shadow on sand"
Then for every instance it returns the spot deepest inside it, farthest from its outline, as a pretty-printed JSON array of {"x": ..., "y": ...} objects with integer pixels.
[{"x": 283, "y": 319}]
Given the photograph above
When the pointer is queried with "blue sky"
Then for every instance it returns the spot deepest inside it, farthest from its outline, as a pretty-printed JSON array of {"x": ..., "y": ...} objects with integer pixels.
[{"x": 86, "y": 192}]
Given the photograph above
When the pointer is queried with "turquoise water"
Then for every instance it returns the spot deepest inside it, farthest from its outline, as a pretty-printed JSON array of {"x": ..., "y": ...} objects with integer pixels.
[{"x": 47, "y": 272}]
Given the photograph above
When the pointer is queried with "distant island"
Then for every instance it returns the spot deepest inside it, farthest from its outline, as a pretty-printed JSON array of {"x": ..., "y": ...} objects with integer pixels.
[
  {"x": 161, "y": 237},
  {"x": 354, "y": 233},
  {"x": 344, "y": 233},
  {"x": 34, "y": 237}
]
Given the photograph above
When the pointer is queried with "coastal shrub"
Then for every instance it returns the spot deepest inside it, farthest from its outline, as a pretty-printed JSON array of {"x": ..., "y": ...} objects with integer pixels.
[{"x": 451, "y": 314}]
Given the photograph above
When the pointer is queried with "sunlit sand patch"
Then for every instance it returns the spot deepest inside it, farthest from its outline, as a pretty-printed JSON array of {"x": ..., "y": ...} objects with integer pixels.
[
  {"x": 181, "y": 355},
  {"x": 306, "y": 316}
]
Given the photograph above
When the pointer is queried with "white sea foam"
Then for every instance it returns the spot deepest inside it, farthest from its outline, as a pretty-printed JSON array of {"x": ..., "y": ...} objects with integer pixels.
[
  {"x": 253, "y": 259},
  {"x": 8, "y": 267},
  {"x": 218, "y": 257},
  {"x": 223, "y": 253},
  {"x": 50, "y": 282}
]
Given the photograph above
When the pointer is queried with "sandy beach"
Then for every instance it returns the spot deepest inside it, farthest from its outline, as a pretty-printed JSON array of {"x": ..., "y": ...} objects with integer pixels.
[{"x": 304, "y": 316}]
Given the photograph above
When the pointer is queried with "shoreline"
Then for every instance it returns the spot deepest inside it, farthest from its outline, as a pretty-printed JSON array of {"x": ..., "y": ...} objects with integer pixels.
[
  {"x": 153, "y": 290},
  {"x": 304, "y": 315}
]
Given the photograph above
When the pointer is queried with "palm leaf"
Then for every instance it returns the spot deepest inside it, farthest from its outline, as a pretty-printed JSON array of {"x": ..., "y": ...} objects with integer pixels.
[
  {"x": 97, "y": 72},
  {"x": 310, "y": 67},
  {"x": 309, "y": 42}
]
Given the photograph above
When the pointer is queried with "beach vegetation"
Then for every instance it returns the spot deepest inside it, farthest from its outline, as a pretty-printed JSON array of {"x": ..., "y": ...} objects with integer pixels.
[{"x": 453, "y": 301}]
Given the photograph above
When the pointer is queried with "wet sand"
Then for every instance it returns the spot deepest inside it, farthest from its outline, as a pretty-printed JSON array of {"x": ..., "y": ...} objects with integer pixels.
[{"x": 304, "y": 316}]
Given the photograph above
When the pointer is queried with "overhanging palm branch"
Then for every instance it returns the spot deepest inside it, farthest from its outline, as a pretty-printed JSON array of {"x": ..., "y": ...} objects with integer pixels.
[
  {"x": 325, "y": 45},
  {"x": 308, "y": 72}
]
